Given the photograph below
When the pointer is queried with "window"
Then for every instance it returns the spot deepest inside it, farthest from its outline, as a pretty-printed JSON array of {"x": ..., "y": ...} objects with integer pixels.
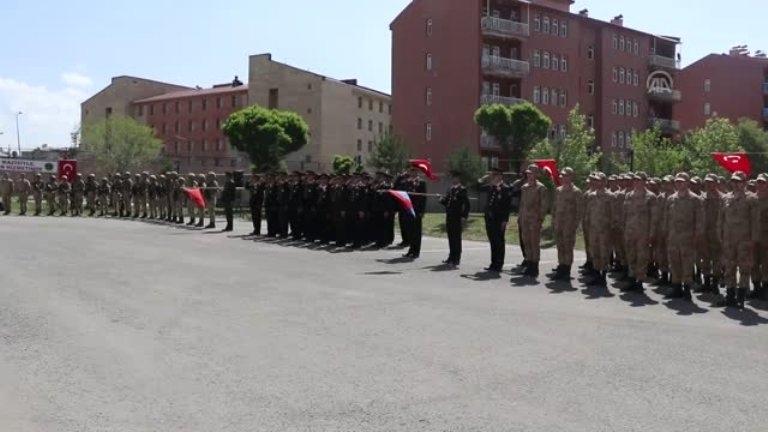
[
  {"x": 274, "y": 98},
  {"x": 615, "y": 42},
  {"x": 707, "y": 85},
  {"x": 591, "y": 87},
  {"x": 621, "y": 139},
  {"x": 359, "y": 145},
  {"x": 545, "y": 25},
  {"x": 218, "y": 124},
  {"x": 429, "y": 62},
  {"x": 165, "y": 129},
  {"x": 707, "y": 109},
  {"x": 176, "y": 147},
  {"x": 165, "y": 108},
  {"x": 381, "y": 128},
  {"x": 615, "y": 75},
  {"x": 359, "y": 123},
  {"x": 189, "y": 106},
  {"x": 428, "y": 131},
  {"x": 370, "y": 146},
  {"x": 536, "y": 95},
  {"x": 635, "y": 78},
  {"x": 621, "y": 106},
  {"x": 555, "y": 27},
  {"x": 564, "y": 29},
  {"x": 370, "y": 104},
  {"x": 621, "y": 75},
  {"x": 613, "y": 139},
  {"x": 219, "y": 145},
  {"x": 553, "y": 96},
  {"x": 629, "y": 139},
  {"x": 545, "y": 96},
  {"x": 218, "y": 102},
  {"x": 537, "y": 22},
  {"x": 634, "y": 109},
  {"x": 546, "y": 60},
  {"x": 176, "y": 127},
  {"x": 614, "y": 107},
  {"x": 563, "y": 99},
  {"x": 555, "y": 62},
  {"x": 205, "y": 125},
  {"x": 496, "y": 89},
  {"x": 389, "y": 108},
  {"x": 428, "y": 96},
  {"x": 561, "y": 131},
  {"x": 429, "y": 27},
  {"x": 636, "y": 48},
  {"x": 176, "y": 108},
  {"x": 234, "y": 101},
  {"x": 628, "y": 105},
  {"x": 563, "y": 64},
  {"x": 381, "y": 106},
  {"x": 190, "y": 146},
  {"x": 591, "y": 121},
  {"x": 204, "y": 104},
  {"x": 151, "y": 110},
  {"x": 621, "y": 43},
  {"x": 537, "y": 58},
  {"x": 205, "y": 145},
  {"x": 590, "y": 53},
  {"x": 191, "y": 126},
  {"x": 370, "y": 125}
]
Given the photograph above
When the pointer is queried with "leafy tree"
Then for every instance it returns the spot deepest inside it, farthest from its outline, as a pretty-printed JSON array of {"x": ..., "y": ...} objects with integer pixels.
[
  {"x": 655, "y": 155},
  {"x": 120, "y": 143},
  {"x": 516, "y": 128},
  {"x": 573, "y": 150},
  {"x": 467, "y": 163},
  {"x": 389, "y": 154},
  {"x": 343, "y": 164},
  {"x": 266, "y": 135},
  {"x": 754, "y": 140},
  {"x": 718, "y": 135}
]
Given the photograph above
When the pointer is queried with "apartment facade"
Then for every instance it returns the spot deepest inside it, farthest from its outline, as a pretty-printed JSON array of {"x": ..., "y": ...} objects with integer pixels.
[
  {"x": 732, "y": 86},
  {"x": 189, "y": 122},
  {"x": 344, "y": 118},
  {"x": 449, "y": 57}
]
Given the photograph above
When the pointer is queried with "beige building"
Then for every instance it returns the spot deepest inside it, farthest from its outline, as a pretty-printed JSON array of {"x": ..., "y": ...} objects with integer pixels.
[{"x": 343, "y": 117}]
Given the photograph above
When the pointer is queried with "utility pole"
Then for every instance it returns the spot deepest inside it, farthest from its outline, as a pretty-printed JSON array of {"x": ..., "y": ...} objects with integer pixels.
[{"x": 18, "y": 135}]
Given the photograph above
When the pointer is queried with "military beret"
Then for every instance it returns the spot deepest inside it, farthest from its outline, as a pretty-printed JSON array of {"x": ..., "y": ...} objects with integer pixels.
[
  {"x": 738, "y": 176},
  {"x": 567, "y": 171}
]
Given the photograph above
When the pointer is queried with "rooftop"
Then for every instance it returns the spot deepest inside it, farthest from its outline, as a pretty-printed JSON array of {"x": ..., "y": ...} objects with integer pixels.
[{"x": 182, "y": 94}]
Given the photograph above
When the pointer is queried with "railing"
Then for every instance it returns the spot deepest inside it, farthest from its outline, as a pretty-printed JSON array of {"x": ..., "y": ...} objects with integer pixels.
[
  {"x": 505, "y": 65},
  {"x": 765, "y": 88},
  {"x": 662, "y": 61},
  {"x": 488, "y": 99},
  {"x": 504, "y": 27},
  {"x": 487, "y": 142},
  {"x": 665, "y": 94},
  {"x": 664, "y": 124}
]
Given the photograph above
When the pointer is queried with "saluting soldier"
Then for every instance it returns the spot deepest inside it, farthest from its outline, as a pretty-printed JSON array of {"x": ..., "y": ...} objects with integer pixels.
[
  {"x": 533, "y": 208},
  {"x": 456, "y": 203},
  {"x": 23, "y": 189},
  {"x": 497, "y": 209},
  {"x": 567, "y": 213}
]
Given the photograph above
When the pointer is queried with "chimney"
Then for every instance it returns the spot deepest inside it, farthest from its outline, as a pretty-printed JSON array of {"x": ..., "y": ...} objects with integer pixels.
[
  {"x": 618, "y": 20},
  {"x": 584, "y": 13}
]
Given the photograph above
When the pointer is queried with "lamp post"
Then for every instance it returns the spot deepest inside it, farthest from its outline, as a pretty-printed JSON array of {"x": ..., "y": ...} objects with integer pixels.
[{"x": 18, "y": 135}]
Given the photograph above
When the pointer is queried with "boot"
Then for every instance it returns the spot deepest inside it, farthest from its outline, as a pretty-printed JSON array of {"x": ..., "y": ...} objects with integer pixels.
[
  {"x": 675, "y": 292},
  {"x": 200, "y": 224},
  {"x": 630, "y": 285},
  {"x": 687, "y": 292},
  {"x": 532, "y": 269},
  {"x": 210, "y": 226},
  {"x": 741, "y": 295},
  {"x": 191, "y": 221},
  {"x": 730, "y": 298},
  {"x": 557, "y": 269},
  {"x": 564, "y": 275},
  {"x": 757, "y": 292}
]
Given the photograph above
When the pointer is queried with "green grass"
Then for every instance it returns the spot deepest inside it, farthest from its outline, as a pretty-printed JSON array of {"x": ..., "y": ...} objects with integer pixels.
[{"x": 434, "y": 226}]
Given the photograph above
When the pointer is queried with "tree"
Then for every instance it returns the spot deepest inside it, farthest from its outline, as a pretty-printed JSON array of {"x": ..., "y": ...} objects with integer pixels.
[
  {"x": 516, "y": 128},
  {"x": 655, "y": 155},
  {"x": 390, "y": 154},
  {"x": 343, "y": 164},
  {"x": 718, "y": 135},
  {"x": 266, "y": 135},
  {"x": 120, "y": 144},
  {"x": 573, "y": 150},
  {"x": 754, "y": 141},
  {"x": 467, "y": 164}
]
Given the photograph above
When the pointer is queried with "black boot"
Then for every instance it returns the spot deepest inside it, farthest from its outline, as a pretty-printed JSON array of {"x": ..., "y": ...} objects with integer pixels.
[
  {"x": 200, "y": 224},
  {"x": 564, "y": 274},
  {"x": 191, "y": 221},
  {"x": 629, "y": 285},
  {"x": 675, "y": 292},
  {"x": 532, "y": 269},
  {"x": 757, "y": 291},
  {"x": 730, "y": 298},
  {"x": 741, "y": 295},
  {"x": 687, "y": 292}
]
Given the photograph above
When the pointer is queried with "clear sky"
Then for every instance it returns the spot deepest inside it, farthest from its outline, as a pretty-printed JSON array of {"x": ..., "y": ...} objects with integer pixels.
[{"x": 54, "y": 54}]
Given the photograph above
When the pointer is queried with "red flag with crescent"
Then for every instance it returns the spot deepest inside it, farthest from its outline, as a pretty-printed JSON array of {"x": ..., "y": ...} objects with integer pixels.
[
  {"x": 549, "y": 167},
  {"x": 733, "y": 162},
  {"x": 425, "y": 166},
  {"x": 196, "y": 196},
  {"x": 68, "y": 167}
]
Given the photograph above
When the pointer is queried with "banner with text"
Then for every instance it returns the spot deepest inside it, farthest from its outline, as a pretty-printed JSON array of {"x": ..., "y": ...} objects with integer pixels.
[{"x": 11, "y": 165}]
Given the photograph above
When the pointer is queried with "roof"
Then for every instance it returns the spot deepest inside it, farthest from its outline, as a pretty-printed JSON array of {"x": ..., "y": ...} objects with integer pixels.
[
  {"x": 194, "y": 92},
  {"x": 112, "y": 81},
  {"x": 725, "y": 57}
]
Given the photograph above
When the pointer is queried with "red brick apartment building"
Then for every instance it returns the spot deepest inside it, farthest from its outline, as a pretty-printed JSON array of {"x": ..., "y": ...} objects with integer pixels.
[
  {"x": 451, "y": 56},
  {"x": 732, "y": 86}
]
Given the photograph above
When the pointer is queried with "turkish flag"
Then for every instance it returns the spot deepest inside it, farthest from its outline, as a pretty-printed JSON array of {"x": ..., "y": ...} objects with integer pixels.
[
  {"x": 549, "y": 166},
  {"x": 733, "y": 162},
  {"x": 196, "y": 196},
  {"x": 425, "y": 166},
  {"x": 68, "y": 167}
]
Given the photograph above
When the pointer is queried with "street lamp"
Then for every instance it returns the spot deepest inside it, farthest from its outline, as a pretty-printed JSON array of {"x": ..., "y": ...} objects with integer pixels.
[{"x": 18, "y": 136}]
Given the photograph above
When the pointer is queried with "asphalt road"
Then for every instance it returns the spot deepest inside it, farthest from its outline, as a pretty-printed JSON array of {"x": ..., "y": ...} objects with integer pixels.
[{"x": 110, "y": 325}]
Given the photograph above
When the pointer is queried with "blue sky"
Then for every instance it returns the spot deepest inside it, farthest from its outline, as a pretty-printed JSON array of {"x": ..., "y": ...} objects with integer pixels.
[{"x": 54, "y": 54}]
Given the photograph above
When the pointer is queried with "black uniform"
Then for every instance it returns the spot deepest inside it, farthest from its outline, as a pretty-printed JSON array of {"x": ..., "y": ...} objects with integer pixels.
[
  {"x": 497, "y": 210},
  {"x": 456, "y": 203},
  {"x": 404, "y": 219},
  {"x": 417, "y": 185},
  {"x": 228, "y": 199},
  {"x": 255, "y": 203}
]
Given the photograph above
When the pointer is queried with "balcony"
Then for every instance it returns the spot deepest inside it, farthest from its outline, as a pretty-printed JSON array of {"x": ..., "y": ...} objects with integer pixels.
[
  {"x": 488, "y": 99},
  {"x": 765, "y": 88},
  {"x": 665, "y": 95},
  {"x": 667, "y": 126},
  {"x": 505, "y": 67},
  {"x": 487, "y": 142},
  {"x": 492, "y": 26},
  {"x": 663, "y": 62}
]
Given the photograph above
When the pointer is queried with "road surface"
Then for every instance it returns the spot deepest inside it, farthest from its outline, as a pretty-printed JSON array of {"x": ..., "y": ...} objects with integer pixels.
[{"x": 109, "y": 325}]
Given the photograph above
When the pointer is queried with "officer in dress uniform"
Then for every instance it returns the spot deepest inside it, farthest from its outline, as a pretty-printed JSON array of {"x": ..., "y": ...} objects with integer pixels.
[
  {"x": 228, "y": 199},
  {"x": 419, "y": 186},
  {"x": 497, "y": 209},
  {"x": 456, "y": 203}
]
